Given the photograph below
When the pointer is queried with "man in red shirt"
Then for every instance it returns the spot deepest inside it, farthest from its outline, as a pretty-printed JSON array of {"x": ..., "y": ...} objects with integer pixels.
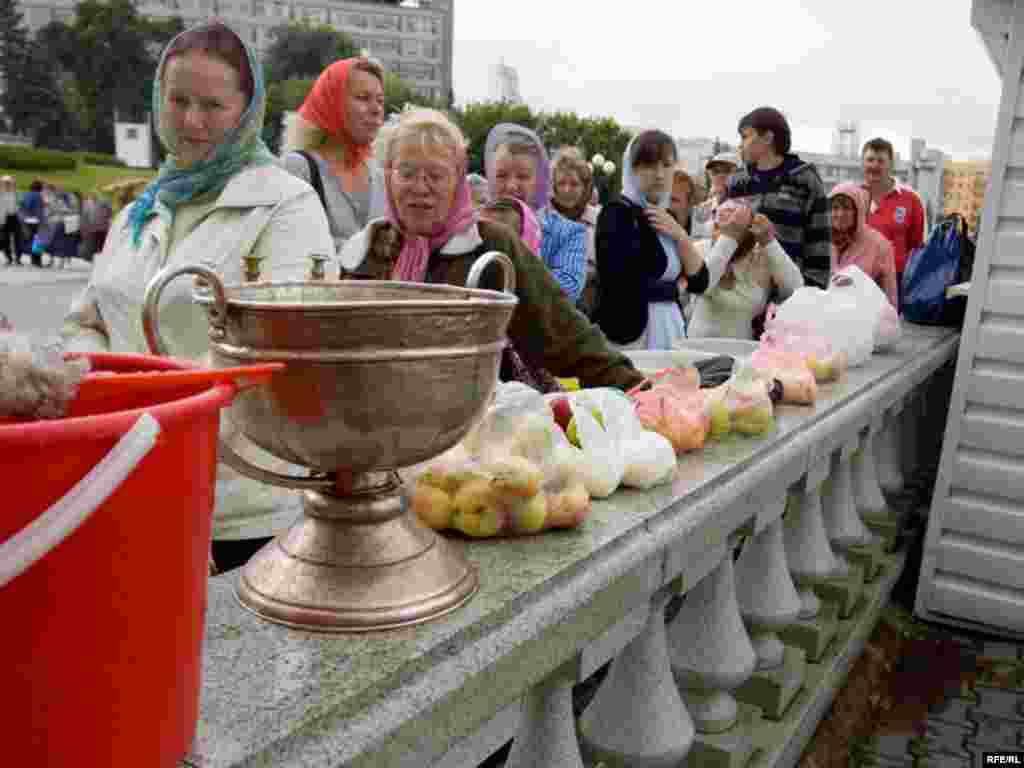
[{"x": 896, "y": 210}]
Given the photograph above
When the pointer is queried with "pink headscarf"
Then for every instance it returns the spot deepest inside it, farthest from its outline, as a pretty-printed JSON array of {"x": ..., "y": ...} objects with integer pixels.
[
  {"x": 411, "y": 264},
  {"x": 531, "y": 233}
]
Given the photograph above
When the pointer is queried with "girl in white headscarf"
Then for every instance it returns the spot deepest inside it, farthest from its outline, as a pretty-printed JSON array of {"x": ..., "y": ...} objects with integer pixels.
[{"x": 645, "y": 260}]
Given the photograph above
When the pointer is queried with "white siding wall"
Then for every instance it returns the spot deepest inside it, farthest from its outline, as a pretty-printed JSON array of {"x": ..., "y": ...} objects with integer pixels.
[{"x": 973, "y": 568}]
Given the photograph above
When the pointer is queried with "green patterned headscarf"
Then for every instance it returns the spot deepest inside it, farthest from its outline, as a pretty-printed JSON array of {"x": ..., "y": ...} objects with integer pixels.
[{"x": 241, "y": 148}]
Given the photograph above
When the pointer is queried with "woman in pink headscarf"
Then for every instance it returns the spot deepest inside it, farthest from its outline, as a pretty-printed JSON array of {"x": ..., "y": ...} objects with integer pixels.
[
  {"x": 854, "y": 242},
  {"x": 432, "y": 234}
]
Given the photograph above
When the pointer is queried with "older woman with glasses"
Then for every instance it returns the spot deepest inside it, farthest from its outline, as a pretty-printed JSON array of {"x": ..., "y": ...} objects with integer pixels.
[{"x": 433, "y": 234}]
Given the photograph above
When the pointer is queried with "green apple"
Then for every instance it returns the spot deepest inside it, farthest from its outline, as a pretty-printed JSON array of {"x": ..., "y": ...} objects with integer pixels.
[
  {"x": 531, "y": 515},
  {"x": 721, "y": 423}
]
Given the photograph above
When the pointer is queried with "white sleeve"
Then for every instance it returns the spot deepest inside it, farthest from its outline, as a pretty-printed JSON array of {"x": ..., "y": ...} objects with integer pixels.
[
  {"x": 785, "y": 273},
  {"x": 716, "y": 261}
]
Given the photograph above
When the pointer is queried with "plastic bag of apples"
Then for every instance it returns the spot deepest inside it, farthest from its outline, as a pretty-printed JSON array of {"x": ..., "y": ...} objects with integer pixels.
[{"x": 514, "y": 474}]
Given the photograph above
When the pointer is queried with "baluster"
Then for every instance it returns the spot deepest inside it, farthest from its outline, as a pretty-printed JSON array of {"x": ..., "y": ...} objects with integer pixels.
[
  {"x": 712, "y": 656},
  {"x": 846, "y": 531},
  {"x": 547, "y": 731},
  {"x": 769, "y": 602},
  {"x": 890, "y": 455},
  {"x": 811, "y": 563},
  {"x": 637, "y": 717},
  {"x": 871, "y": 504}
]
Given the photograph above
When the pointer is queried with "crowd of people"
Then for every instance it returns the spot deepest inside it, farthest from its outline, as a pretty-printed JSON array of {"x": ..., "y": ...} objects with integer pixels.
[
  {"x": 49, "y": 225},
  {"x": 663, "y": 261}
]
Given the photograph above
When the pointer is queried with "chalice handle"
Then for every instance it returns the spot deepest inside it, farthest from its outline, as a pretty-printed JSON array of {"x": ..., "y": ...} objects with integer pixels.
[
  {"x": 508, "y": 270},
  {"x": 218, "y": 319}
]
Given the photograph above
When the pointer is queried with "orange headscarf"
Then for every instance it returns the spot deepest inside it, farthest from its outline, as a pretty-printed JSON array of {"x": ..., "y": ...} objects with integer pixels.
[{"x": 326, "y": 106}]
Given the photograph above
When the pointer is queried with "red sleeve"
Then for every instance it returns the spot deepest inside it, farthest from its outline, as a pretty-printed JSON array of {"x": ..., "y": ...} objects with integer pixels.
[{"x": 915, "y": 232}]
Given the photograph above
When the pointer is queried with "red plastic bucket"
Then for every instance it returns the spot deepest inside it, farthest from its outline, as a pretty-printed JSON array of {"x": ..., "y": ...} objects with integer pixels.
[{"x": 102, "y": 637}]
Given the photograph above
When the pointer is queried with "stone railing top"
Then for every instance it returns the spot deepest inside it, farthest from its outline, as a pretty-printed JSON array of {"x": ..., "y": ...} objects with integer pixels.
[{"x": 275, "y": 696}]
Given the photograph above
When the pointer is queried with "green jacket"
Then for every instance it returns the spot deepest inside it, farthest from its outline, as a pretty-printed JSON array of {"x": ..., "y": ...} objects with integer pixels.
[{"x": 546, "y": 328}]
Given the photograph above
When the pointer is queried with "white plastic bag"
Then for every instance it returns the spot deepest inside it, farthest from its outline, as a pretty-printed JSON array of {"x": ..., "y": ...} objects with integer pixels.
[
  {"x": 604, "y": 458},
  {"x": 835, "y": 315},
  {"x": 852, "y": 281},
  {"x": 651, "y": 460}
]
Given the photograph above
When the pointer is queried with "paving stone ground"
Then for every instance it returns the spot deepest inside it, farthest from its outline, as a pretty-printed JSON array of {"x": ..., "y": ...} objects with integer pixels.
[{"x": 982, "y": 711}]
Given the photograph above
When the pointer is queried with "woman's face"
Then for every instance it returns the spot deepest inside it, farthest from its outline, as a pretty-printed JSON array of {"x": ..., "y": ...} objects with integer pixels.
[
  {"x": 202, "y": 103},
  {"x": 653, "y": 180},
  {"x": 423, "y": 183},
  {"x": 515, "y": 175},
  {"x": 680, "y": 204},
  {"x": 719, "y": 178},
  {"x": 844, "y": 214},
  {"x": 568, "y": 188},
  {"x": 364, "y": 107}
]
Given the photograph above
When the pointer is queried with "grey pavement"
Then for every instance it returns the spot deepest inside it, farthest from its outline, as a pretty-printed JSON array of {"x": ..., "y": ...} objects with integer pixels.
[{"x": 35, "y": 299}]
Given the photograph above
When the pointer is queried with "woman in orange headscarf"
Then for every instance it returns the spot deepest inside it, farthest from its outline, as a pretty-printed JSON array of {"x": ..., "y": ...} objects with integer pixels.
[{"x": 329, "y": 143}]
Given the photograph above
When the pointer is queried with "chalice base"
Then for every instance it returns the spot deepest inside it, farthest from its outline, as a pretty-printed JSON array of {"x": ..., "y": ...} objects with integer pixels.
[{"x": 356, "y": 563}]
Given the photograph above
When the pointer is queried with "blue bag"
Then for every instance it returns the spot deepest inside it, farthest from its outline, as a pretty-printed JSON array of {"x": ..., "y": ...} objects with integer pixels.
[{"x": 946, "y": 259}]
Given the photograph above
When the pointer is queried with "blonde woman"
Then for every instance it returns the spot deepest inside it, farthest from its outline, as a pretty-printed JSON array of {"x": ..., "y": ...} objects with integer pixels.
[
  {"x": 442, "y": 236},
  {"x": 329, "y": 144}
]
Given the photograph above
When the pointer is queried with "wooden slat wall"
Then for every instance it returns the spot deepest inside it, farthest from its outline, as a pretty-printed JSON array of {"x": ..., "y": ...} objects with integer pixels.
[{"x": 973, "y": 567}]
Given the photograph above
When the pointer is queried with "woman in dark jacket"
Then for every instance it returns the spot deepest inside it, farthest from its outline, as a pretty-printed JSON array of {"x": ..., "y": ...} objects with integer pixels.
[{"x": 645, "y": 260}]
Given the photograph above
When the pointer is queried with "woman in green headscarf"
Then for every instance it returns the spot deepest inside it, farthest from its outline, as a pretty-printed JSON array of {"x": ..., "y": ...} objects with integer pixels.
[{"x": 219, "y": 196}]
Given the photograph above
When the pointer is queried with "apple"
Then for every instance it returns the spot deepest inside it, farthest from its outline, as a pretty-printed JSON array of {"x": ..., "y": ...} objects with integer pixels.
[
  {"x": 476, "y": 509},
  {"x": 530, "y": 516},
  {"x": 573, "y": 435},
  {"x": 720, "y": 421},
  {"x": 569, "y": 508},
  {"x": 432, "y": 506},
  {"x": 515, "y": 475},
  {"x": 561, "y": 409}
]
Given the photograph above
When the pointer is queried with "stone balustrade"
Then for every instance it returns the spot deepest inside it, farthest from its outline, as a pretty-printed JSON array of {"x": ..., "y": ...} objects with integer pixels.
[{"x": 554, "y": 609}]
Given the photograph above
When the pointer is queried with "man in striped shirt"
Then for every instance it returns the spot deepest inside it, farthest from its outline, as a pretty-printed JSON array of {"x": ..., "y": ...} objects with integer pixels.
[{"x": 787, "y": 190}]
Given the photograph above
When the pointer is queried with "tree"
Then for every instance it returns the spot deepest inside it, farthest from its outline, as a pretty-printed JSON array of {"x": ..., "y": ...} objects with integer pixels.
[
  {"x": 398, "y": 94},
  {"x": 302, "y": 50},
  {"x": 102, "y": 53},
  {"x": 284, "y": 96},
  {"x": 14, "y": 49}
]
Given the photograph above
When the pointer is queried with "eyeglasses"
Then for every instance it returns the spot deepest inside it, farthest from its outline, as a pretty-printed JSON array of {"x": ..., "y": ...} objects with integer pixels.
[{"x": 434, "y": 176}]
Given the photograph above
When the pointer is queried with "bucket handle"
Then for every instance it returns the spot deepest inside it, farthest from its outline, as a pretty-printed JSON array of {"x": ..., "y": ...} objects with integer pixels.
[
  {"x": 508, "y": 270},
  {"x": 42, "y": 535},
  {"x": 218, "y": 320}
]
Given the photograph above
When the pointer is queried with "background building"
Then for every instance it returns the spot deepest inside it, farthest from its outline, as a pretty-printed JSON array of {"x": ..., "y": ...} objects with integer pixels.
[
  {"x": 846, "y": 139},
  {"x": 413, "y": 38},
  {"x": 505, "y": 83},
  {"x": 964, "y": 184}
]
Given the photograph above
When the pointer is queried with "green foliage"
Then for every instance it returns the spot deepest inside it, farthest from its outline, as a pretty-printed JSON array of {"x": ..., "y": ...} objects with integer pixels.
[
  {"x": 398, "y": 94},
  {"x": 285, "y": 96},
  {"x": 104, "y": 62},
  {"x": 302, "y": 50},
  {"x": 29, "y": 159}
]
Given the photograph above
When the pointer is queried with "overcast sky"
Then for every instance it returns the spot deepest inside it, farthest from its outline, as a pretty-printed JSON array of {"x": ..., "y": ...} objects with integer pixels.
[{"x": 901, "y": 68}]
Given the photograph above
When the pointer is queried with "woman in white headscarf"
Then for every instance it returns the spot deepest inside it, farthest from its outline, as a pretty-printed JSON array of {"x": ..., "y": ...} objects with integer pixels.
[{"x": 645, "y": 260}]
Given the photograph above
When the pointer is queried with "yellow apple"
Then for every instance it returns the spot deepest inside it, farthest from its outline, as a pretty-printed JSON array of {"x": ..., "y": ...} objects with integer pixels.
[
  {"x": 515, "y": 475},
  {"x": 432, "y": 506}
]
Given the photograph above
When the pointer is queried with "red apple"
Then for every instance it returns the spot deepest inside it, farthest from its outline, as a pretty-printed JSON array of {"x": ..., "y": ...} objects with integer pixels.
[{"x": 562, "y": 411}]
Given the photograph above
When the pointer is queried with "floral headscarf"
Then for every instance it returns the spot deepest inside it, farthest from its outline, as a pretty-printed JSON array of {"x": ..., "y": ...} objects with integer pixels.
[
  {"x": 326, "y": 107},
  {"x": 503, "y": 133},
  {"x": 241, "y": 148},
  {"x": 411, "y": 264}
]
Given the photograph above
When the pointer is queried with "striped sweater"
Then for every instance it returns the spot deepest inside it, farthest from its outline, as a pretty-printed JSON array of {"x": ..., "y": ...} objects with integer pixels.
[{"x": 793, "y": 197}]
